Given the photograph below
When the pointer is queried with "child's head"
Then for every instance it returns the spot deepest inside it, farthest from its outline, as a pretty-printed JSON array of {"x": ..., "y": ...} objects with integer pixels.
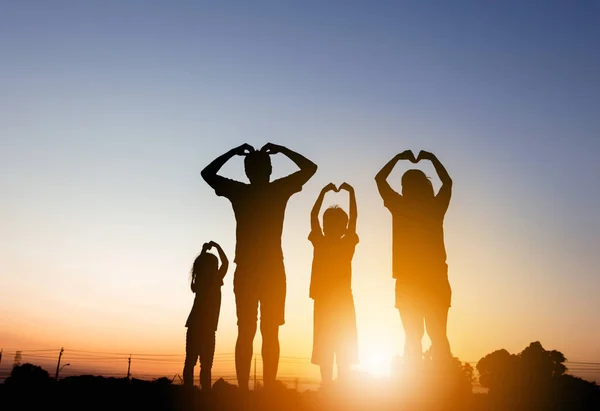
[
  {"x": 335, "y": 222},
  {"x": 257, "y": 165},
  {"x": 205, "y": 265},
  {"x": 416, "y": 185}
]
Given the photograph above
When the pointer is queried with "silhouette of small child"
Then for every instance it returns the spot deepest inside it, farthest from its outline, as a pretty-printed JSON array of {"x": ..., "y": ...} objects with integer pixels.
[
  {"x": 207, "y": 279},
  {"x": 334, "y": 332}
]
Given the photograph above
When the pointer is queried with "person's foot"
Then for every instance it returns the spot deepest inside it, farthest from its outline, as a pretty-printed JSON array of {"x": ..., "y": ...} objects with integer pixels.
[{"x": 206, "y": 386}]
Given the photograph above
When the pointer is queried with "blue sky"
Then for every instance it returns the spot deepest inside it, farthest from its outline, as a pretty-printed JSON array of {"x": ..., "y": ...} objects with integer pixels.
[{"x": 109, "y": 110}]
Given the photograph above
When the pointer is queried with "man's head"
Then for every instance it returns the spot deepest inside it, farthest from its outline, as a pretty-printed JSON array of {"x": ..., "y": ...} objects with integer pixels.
[
  {"x": 257, "y": 165},
  {"x": 416, "y": 185},
  {"x": 335, "y": 222}
]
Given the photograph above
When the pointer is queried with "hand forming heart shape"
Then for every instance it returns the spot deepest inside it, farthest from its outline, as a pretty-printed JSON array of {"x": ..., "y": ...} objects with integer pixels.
[
  {"x": 408, "y": 155},
  {"x": 331, "y": 187}
]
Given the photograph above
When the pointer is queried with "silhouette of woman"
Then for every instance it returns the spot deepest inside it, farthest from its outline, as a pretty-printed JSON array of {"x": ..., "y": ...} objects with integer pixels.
[
  {"x": 423, "y": 292},
  {"x": 207, "y": 279}
]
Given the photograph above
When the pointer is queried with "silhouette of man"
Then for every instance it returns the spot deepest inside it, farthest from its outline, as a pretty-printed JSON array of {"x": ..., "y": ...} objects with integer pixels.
[
  {"x": 259, "y": 277},
  {"x": 423, "y": 292}
]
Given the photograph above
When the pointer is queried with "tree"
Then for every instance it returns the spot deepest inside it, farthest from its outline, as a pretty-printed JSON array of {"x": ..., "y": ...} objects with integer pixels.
[
  {"x": 533, "y": 379},
  {"x": 162, "y": 381},
  {"x": 497, "y": 370},
  {"x": 28, "y": 375}
]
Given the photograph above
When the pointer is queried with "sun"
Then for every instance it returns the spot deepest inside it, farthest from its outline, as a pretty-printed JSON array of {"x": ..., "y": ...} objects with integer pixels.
[{"x": 377, "y": 363}]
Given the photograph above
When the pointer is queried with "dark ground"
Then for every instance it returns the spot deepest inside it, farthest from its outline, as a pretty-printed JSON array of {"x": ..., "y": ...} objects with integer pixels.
[{"x": 99, "y": 393}]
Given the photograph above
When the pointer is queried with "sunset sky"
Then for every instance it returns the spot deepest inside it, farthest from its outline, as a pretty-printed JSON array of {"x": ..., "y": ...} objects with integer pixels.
[{"x": 109, "y": 110}]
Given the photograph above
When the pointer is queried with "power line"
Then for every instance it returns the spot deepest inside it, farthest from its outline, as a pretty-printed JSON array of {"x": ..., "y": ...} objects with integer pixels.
[
  {"x": 138, "y": 354},
  {"x": 82, "y": 354},
  {"x": 46, "y": 350},
  {"x": 221, "y": 360}
]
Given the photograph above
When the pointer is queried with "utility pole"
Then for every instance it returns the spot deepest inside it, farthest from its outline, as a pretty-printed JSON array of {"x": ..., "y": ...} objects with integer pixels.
[
  {"x": 129, "y": 367},
  {"x": 255, "y": 372},
  {"x": 58, "y": 364}
]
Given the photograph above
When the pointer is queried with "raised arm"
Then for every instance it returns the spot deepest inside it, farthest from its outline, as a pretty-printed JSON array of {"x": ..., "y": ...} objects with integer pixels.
[
  {"x": 315, "y": 225},
  {"x": 307, "y": 167},
  {"x": 439, "y": 168},
  {"x": 209, "y": 174},
  {"x": 353, "y": 210},
  {"x": 224, "y": 261},
  {"x": 383, "y": 186},
  {"x": 443, "y": 196}
]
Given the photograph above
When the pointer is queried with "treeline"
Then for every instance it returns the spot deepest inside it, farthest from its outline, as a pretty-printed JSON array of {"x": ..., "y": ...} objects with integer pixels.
[{"x": 534, "y": 379}]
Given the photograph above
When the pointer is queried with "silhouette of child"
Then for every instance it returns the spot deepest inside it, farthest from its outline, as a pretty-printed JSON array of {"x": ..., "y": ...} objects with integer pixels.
[
  {"x": 423, "y": 292},
  {"x": 334, "y": 332},
  {"x": 207, "y": 279}
]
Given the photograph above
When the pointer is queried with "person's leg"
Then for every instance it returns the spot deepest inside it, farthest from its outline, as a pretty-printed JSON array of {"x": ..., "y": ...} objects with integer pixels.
[
  {"x": 243, "y": 353},
  {"x": 413, "y": 324},
  {"x": 345, "y": 336},
  {"x": 343, "y": 371},
  {"x": 272, "y": 315},
  {"x": 412, "y": 319},
  {"x": 246, "y": 302},
  {"x": 326, "y": 369},
  {"x": 326, "y": 357},
  {"x": 436, "y": 319},
  {"x": 191, "y": 356},
  {"x": 270, "y": 351},
  {"x": 207, "y": 353},
  {"x": 323, "y": 352}
]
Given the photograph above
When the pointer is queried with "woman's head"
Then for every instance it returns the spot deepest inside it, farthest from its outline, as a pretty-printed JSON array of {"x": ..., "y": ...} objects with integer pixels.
[
  {"x": 257, "y": 165},
  {"x": 415, "y": 184},
  {"x": 335, "y": 222}
]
